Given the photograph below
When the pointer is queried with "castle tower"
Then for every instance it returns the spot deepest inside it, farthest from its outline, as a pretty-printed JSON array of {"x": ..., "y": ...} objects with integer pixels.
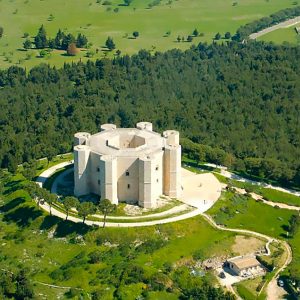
[
  {"x": 172, "y": 164},
  {"x": 108, "y": 175}
]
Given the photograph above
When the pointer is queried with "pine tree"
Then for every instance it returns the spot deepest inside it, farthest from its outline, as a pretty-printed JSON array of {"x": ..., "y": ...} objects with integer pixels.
[
  {"x": 110, "y": 44},
  {"x": 40, "y": 39}
]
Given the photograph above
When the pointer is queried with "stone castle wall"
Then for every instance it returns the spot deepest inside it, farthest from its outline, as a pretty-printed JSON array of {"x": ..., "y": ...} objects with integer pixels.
[{"x": 134, "y": 165}]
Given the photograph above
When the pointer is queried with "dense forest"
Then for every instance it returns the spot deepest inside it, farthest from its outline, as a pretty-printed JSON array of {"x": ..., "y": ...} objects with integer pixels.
[
  {"x": 280, "y": 16},
  {"x": 241, "y": 100}
]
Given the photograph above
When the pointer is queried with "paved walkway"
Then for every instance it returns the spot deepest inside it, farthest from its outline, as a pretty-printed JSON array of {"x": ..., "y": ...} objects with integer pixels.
[
  {"x": 227, "y": 174},
  {"x": 284, "y": 24},
  {"x": 199, "y": 190},
  {"x": 46, "y": 174}
]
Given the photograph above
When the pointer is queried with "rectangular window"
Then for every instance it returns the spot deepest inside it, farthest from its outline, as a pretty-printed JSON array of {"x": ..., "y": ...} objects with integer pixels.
[
  {"x": 98, "y": 169},
  {"x": 156, "y": 168},
  {"x": 128, "y": 186},
  {"x": 99, "y": 181},
  {"x": 127, "y": 173}
]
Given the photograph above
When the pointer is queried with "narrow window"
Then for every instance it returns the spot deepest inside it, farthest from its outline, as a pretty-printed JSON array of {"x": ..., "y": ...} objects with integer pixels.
[
  {"x": 99, "y": 182},
  {"x": 128, "y": 186},
  {"x": 127, "y": 173},
  {"x": 156, "y": 168},
  {"x": 98, "y": 169},
  {"x": 156, "y": 180}
]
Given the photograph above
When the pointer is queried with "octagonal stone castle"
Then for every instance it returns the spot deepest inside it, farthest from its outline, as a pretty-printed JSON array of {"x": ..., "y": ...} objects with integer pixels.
[{"x": 132, "y": 165}]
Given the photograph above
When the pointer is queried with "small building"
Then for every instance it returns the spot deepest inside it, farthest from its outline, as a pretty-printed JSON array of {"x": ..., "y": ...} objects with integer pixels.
[{"x": 244, "y": 265}]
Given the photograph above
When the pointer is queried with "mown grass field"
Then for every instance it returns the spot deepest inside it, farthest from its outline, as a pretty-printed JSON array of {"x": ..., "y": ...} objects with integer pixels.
[{"x": 179, "y": 17}]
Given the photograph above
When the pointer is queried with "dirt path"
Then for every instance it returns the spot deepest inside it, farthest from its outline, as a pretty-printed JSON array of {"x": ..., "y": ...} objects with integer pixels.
[
  {"x": 270, "y": 288},
  {"x": 271, "y": 203},
  {"x": 284, "y": 24}
]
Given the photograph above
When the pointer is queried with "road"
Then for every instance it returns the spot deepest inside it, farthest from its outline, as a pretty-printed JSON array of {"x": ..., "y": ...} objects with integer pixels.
[{"x": 284, "y": 24}]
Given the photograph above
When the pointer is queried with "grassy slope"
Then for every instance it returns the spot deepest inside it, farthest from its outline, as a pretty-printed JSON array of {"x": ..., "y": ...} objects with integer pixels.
[
  {"x": 25, "y": 234},
  {"x": 92, "y": 19},
  {"x": 258, "y": 217},
  {"x": 244, "y": 214}
]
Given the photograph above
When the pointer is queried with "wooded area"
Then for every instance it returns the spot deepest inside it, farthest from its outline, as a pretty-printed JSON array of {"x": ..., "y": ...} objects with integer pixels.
[{"x": 241, "y": 100}]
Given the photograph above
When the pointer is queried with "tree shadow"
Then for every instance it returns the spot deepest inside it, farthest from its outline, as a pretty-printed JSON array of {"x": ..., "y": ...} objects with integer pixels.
[
  {"x": 22, "y": 216},
  {"x": 12, "y": 204},
  {"x": 65, "y": 228},
  {"x": 12, "y": 186},
  {"x": 49, "y": 222}
]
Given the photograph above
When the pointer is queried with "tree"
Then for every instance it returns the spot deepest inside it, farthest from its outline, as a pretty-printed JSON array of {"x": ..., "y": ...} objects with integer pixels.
[
  {"x": 52, "y": 44},
  {"x": 67, "y": 40},
  {"x": 85, "y": 209},
  {"x": 106, "y": 207},
  {"x": 6, "y": 284},
  {"x": 72, "y": 50},
  {"x": 218, "y": 36},
  {"x": 12, "y": 164},
  {"x": 1, "y": 32},
  {"x": 70, "y": 202},
  {"x": 135, "y": 34},
  {"x": 40, "y": 40},
  {"x": 81, "y": 41},
  {"x": 110, "y": 44},
  {"x": 32, "y": 188},
  {"x": 294, "y": 224},
  {"x": 195, "y": 32},
  {"x": 178, "y": 38},
  {"x": 50, "y": 199},
  {"x": 127, "y": 2},
  {"x": 27, "y": 44},
  {"x": 50, "y": 153},
  {"x": 29, "y": 170},
  {"x": 24, "y": 289},
  {"x": 189, "y": 39},
  {"x": 58, "y": 39},
  {"x": 227, "y": 35}
]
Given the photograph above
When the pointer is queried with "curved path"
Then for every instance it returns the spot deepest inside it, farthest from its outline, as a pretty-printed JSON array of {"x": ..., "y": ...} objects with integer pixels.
[
  {"x": 284, "y": 24},
  {"x": 46, "y": 174},
  {"x": 193, "y": 185},
  {"x": 269, "y": 239}
]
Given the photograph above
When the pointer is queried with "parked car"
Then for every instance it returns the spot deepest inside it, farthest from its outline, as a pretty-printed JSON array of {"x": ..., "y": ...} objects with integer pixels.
[{"x": 280, "y": 283}]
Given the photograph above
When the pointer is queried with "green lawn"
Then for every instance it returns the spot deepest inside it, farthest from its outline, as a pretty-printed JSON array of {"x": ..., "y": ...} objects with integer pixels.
[
  {"x": 278, "y": 196},
  {"x": 179, "y": 17},
  {"x": 282, "y": 35},
  {"x": 238, "y": 211}
]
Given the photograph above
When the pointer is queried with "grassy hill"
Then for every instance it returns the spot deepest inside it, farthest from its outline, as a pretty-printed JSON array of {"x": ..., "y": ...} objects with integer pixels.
[{"x": 98, "y": 21}]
